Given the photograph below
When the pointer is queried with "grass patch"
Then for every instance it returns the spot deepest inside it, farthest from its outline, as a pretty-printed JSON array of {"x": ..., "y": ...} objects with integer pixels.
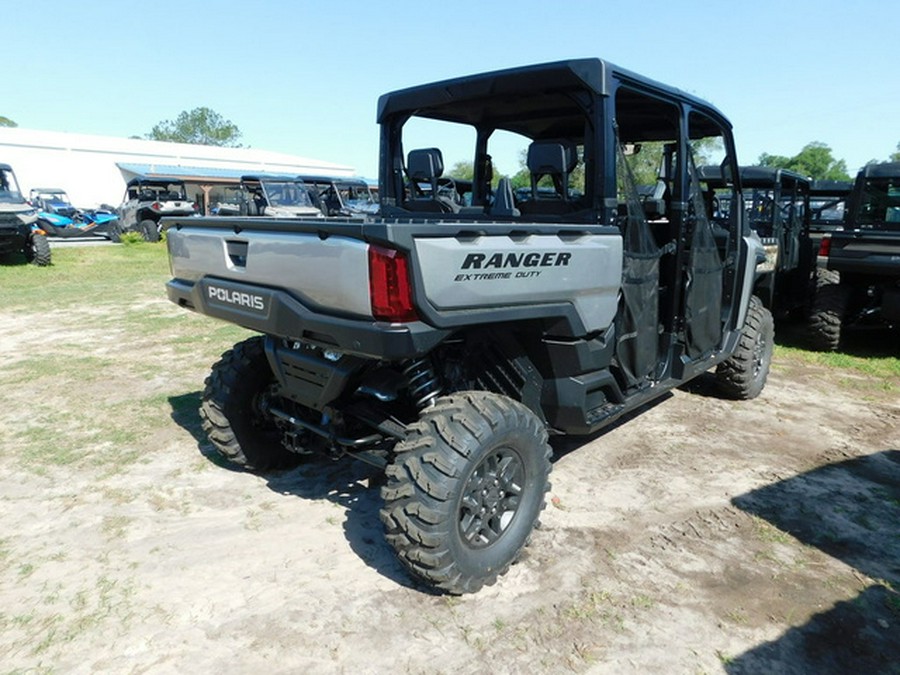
[
  {"x": 882, "y": 369},
  {"x": 87, "y": 274},
  {"x": 768, "y": 533}
]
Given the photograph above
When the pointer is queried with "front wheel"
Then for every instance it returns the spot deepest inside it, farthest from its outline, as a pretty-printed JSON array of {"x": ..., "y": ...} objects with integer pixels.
[
  {"x": 232, "y": 409},
  {"x": 465, "y": 489},
  {"x": 37, "y": 251},
  {"x": 743, "y": 375},
  {"x": 149, "y": 230}
]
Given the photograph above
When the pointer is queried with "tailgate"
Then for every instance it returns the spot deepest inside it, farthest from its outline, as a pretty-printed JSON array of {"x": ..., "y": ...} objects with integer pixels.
[
  {"x": 864, "y": 252},
  {"x": 328, "y": 273}
]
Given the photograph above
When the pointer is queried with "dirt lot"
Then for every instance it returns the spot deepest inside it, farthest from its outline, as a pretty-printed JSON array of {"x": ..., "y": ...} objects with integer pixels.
[{"x": 699, "y": 536}]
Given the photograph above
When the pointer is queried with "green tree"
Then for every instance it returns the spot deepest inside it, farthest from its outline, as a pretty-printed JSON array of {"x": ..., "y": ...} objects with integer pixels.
[
  {"x": 895, "y": 156},
  {"x": 201, "y": 126},
  {"x": 814, "y": 160},
  {"x": 6, "y": 122},
  {"x": 462, "y": 171}
]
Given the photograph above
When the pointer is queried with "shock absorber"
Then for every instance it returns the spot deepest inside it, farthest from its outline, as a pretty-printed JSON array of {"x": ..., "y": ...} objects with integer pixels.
[{"x": 424, "y": 386}]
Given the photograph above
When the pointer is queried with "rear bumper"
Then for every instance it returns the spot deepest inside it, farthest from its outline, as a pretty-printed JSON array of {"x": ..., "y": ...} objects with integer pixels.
[{"x": 275, "y": 312}]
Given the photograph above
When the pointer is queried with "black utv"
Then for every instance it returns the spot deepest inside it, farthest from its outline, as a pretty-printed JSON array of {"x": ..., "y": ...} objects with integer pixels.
[
  {"x": 859, "y": 265},
  {"x": 19, "y": 231}
]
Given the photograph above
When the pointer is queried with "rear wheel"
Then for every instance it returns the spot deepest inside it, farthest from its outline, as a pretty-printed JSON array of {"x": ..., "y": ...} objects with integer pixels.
[
  {"x": 829, "y": 306},
  {"x": 37, "y": 251},
  {"x": 149, "y": 230},
  {"x": 465, "y": 489},
  {"x": 232, "y": 410},
  {"x": 743, "y": 375}
]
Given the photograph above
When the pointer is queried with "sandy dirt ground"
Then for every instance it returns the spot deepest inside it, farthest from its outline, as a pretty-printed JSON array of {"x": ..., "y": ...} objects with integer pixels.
[{"x": 699, "y": 536}]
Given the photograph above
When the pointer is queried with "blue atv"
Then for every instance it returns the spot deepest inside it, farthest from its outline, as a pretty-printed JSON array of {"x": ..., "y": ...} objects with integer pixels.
[{"x": 59, "y": 218}]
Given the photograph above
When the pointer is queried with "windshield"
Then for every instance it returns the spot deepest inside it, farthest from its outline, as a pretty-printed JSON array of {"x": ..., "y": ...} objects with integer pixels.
[
  {"x": 356, "y": 194},
  {"x": 9, "y": 188},
  {"x": 880, "y": 203},
  {"x": 827, "y": 210},
  {"x": 285, "y": 193},
  {"x": 56, "y": 197},
  {"x": 762, "y": 210}
]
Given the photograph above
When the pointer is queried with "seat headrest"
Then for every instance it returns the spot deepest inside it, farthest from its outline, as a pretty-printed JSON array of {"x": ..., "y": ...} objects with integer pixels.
[
  {"x": 425, "y": 164},
  {"x": 551, "y": 157}
]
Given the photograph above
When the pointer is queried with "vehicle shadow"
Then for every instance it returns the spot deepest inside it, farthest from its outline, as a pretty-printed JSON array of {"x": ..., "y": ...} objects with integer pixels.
[
  {"x": 353, "y": 486},
  {"x": 851, "y": 511},
  {"x": 14, "y": 259},
  {"x": 186, "y": 414},
  {"x": 350, "y": 484},
  {"x": 848, "y": 638}
]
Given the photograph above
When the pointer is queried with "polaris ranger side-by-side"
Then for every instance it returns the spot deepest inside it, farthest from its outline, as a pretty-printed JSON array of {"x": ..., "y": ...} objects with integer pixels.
[
  {"x": 445, "y": 342},
  {"x": 859, "y": 265}
]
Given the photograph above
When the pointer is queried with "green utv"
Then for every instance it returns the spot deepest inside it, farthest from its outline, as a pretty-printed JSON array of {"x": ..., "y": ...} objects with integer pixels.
[{"x": 446, "y": 339}]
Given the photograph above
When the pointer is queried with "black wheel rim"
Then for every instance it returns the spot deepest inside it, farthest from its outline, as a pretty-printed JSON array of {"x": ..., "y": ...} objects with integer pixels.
[
  {"x": 759, "y": 350},
  {"x": 491, "y": 498}
]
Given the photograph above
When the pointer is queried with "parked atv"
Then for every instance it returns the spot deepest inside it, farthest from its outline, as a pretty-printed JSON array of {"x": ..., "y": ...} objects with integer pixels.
[
  {"x": 59, "y": 218},
  {"x": 446, "y": 341},
  {"x": 19, "y": 231},
  {"x": 147, "y": 200}
]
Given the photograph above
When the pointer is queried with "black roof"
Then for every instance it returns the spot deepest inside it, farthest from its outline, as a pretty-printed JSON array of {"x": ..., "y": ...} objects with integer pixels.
[
  {"x": 6, "y": 167},
  {"x": 762, "y": 176},
  {"x": 753, "y": 176},
  {"x": 883, "y": 170},
  {"x": 823, "y": 186},
  {"x": 509, "y": 95},
  {"x": 331, "y": 179}
]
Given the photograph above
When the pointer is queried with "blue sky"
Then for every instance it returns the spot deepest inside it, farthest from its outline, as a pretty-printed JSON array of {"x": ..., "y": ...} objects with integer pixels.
[{"x": 304, "y": 77}]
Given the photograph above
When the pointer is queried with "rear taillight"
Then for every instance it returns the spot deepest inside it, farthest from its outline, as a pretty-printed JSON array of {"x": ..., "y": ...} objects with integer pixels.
[
  {"x": 156, "y": 206},
  {"x": 389, "y": 289},
  {"x": 825, "y": 246}
]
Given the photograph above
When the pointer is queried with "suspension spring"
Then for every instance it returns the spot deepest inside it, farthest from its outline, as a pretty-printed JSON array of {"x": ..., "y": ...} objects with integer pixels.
[{"x": 424, "y": 386}]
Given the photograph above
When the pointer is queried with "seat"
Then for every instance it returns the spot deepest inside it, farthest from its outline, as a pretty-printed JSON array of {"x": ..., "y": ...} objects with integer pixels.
[
  {"x": 556, "y": 159},
  {"x": 426, "y": 166}
]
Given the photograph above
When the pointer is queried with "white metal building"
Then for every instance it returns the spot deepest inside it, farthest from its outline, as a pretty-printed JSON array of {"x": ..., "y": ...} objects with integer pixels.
[{"x": 94, "y": 169}]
